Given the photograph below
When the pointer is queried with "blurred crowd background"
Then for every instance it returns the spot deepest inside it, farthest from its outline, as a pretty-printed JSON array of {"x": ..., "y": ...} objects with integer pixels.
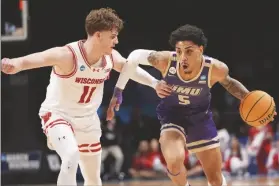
[{"x": 244, "y": 36}]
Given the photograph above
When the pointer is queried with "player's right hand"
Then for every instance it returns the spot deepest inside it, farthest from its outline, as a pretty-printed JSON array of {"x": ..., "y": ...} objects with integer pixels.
[
  {"x": 114, "y": 104},
  {"x": 8, "y": 67},
  {"x": 163, "y": 89}
]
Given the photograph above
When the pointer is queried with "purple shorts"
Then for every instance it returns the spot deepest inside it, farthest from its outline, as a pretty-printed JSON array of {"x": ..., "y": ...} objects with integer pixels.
[{"x": 199, "y": 130}]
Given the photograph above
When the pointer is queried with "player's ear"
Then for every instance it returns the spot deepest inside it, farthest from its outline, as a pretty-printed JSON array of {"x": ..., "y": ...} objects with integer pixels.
[
  {"x": 201, "y": 49},
  {"x": 98, "y": 34}
]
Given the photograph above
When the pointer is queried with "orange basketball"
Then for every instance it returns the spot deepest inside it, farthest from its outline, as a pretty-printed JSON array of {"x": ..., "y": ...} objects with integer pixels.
[{"x": 257, "y": 108}]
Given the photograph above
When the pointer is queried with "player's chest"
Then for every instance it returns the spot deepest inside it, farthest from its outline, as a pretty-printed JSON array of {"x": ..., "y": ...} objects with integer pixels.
[
  {"x": 90, "y": 76},
  {"x": 182, "y": 89},
  {"x": 84, "y": 70}
]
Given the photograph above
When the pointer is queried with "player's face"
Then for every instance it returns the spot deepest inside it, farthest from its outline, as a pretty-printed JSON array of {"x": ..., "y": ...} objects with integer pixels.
[
  {"x": 189, "y": 55},
  {"x": 108, "y": 40}
]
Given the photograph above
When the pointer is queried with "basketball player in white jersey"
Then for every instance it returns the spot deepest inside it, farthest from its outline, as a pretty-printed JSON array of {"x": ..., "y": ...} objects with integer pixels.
[{"x": 69, "y": 112}]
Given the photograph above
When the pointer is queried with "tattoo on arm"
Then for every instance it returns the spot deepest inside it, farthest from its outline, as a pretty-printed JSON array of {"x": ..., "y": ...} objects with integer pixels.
[
  {"x": 153, "y": 58},
  {"x": 235, "y": 88}
]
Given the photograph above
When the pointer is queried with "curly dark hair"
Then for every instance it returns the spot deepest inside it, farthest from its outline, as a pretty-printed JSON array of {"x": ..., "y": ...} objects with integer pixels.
[
  {"x": 188, "y": 33},
  {"x": 103, "y": 19}
]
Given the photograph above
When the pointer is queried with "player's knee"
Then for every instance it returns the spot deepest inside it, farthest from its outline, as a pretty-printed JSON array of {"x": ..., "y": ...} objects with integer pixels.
[
  {"x": 214, "y": 178},
  {"x": 174, "y": 162},
  {"x": 173, "y": 151},
  {"x": 70, "y": 160}
]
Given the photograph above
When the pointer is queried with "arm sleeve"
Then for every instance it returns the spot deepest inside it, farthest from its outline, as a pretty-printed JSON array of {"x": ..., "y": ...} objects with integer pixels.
[{"x": 131, "y": 70}]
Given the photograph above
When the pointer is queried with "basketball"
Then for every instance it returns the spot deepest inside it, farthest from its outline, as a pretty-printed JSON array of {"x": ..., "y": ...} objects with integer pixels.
[{"x": 257, "y": 108}]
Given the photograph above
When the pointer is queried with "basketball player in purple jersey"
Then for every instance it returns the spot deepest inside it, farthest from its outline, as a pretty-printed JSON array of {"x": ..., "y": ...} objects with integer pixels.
[{"x": 185, "y": 115}]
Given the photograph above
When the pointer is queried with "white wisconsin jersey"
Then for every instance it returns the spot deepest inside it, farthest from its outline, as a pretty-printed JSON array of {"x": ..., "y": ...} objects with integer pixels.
[{"x": 80, "y": 93}]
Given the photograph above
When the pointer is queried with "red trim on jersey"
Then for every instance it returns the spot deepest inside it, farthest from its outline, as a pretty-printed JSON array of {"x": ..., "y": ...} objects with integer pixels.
[
  {"x": 58, "y": 122},
  {"x": 82, "y": 51},
  {"x": 90, "y": 147},
  {"x": 112, "y": 60},
  {"x": 75, "y": 65},
  {"x": 104, "y": 62},
  {"x": 91, "y": 150},
  {"x": 108, "y": 76},
  {"x": 106, "y": 65},
  {"x": 46, "y": 117}
]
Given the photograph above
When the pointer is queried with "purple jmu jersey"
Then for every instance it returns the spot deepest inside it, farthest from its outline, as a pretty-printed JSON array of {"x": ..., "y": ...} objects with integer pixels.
[
  {"x": 187, "y": 97},
  {"x": 187, "y": 109}
]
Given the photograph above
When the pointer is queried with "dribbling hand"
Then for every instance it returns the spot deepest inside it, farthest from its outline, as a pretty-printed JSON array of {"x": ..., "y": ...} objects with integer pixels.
[
  {"x": 8, "y": 67},
  {"x": 275, "y": 113},
  {"x": 163, "y": 89},
  {"x": 115, "y": 103}
]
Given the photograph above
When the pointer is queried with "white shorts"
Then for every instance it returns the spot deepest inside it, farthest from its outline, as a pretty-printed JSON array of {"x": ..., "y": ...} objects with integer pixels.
[{"x": 87, "y": 130}]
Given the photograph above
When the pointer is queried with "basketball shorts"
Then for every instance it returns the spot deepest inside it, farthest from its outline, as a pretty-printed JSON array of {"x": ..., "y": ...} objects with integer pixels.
[
  {"x": 199, "y": 131},
  {"x": 87, "y": 130}
]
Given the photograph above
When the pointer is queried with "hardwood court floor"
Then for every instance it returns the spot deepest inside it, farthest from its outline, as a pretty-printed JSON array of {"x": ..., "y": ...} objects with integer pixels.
[
  {"x": 202, "y": 182},
  {"x": 263, "y": 181}
]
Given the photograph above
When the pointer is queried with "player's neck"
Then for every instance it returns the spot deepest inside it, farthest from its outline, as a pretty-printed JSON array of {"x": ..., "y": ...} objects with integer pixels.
[{"x": 92, "y": 52}]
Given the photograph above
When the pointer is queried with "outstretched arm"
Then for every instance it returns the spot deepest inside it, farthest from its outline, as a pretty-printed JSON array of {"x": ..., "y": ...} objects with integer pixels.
[
  {"x": 135, "y": 73},
  {"x": 58, "y": 56},
  {"x": 129, "y": 69},
  {"x": 220, "y": 73},
  {"x": 157, "y": 59}
]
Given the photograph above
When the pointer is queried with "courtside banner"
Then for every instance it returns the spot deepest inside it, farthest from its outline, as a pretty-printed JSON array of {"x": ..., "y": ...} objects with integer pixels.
[
  {"x": 29, "y": 167},
  {"x": 21, "y": 161}
]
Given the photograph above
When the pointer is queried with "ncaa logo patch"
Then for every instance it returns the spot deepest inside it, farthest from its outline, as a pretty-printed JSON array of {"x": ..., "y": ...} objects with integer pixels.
[
  {"x": 82, "y": 68},
  {"x": 172, "y": 70},
  {"x": 203, "y": 77}
]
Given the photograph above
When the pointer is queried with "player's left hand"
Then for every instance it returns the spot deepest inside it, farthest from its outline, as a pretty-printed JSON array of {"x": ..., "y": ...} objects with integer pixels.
[
  {"x": 115, "y": 103},
  {"x": 163, "y": 89}
]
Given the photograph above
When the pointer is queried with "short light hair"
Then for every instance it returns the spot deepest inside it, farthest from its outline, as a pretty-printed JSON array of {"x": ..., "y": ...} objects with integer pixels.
[{"x": 103, "y": 19}]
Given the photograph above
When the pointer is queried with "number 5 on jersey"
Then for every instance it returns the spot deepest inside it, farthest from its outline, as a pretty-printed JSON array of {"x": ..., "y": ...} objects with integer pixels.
[
  {"x": 183, "y": 100},
  {"x": 87, "y": 94}
]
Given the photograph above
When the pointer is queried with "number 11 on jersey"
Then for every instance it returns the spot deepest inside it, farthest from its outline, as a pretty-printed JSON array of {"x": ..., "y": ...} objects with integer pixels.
[{"x": 87, "y": 94}]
